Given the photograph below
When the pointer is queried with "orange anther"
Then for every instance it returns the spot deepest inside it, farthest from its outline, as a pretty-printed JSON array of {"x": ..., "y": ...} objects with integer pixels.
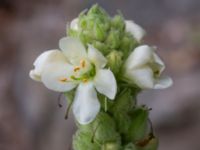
[
  {"x": 77, "y": 68},
  {"x": 85, "y": 80},
  {"x": 63, "y": 79},
  {"x": 82, "y": 62}
]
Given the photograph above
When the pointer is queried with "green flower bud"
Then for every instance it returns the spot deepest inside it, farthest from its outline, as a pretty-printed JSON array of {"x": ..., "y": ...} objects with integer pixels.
[
  {"x": 99, "y": 33},
  {"x": 128, "y": 43},
  {"x": 86, "y": 36},
  {"x": 118, "y": 23},
  {"x": 83, "y": 141},
  {"x": 124, "y": 101},
  {"x": 105, "y": 129},
  {"x": 122, "y": 106},
  {"x": 102, "y": 47},
  {"x": 114, "y": 59},
  {"x": 113, "y": 39},
  {"x": 139, "y": 125},
  {"x": 96, "y": 9}
]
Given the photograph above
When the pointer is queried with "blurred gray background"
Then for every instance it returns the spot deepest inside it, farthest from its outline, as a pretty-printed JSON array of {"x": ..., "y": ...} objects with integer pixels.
[{"x": 29, "y": 116}]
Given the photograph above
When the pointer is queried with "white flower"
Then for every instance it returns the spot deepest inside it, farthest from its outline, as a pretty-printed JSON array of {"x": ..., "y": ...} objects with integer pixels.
[
  {"x": 144, "y": 67},
  {"x": 137, "y": 31},
  {"x": 130, "y": 26},
  {"x": 75, "y": 66}
]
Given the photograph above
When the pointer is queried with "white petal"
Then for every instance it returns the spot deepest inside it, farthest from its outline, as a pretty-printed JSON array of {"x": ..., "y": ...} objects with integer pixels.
[
  {"x": 96, "y": 57},
  {"x": 73, "y": 49},
  {"x": 137, "y": 31},
  {"x": 43, "y": 60},
  {"x": 105, "y": 83},
  {"x": 86, "y": 105},
  {"x": 57, "y": 77},
  {"x": 142, "y": 77},
  {"x": 140, "y": 56},
  {"x": 159, "y": 62},
  {"x": 163, "y": 83},
  {"x": 74, "y": 24},
  {"x": 34, "y": 75}
]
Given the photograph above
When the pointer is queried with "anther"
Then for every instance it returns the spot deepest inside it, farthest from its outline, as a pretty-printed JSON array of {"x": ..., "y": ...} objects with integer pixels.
[
  {"x": 77, "y": 68},
  {"x": 63, "y": 79},
  {"x": 85, "y": 80},
  {"x": 82, "y": 62}
]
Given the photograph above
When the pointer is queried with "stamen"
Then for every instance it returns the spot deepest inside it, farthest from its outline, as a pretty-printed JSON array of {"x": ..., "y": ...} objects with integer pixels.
[
  {"x": 85, "y": 80},
  {"x": 73, "y": 78},
  {"x": 83, "y": 63},
  {"x": 76, "y": 68},
  {"x": 63, "y": 79}
]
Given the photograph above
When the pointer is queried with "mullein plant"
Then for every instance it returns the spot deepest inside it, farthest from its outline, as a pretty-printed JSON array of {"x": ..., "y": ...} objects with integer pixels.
[{"x": 100, "y": 68}]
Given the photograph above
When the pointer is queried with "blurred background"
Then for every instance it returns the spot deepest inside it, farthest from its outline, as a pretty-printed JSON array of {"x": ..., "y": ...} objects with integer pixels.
[{"x": 29, "y": 115}]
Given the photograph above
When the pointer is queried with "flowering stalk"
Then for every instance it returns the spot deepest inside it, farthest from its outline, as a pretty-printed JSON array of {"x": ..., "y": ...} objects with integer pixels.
[{"x": 101, "y": 68}]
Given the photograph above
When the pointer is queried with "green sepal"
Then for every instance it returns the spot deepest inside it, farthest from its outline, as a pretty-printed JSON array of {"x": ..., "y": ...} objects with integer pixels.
[{"x": 83, "y": 141}]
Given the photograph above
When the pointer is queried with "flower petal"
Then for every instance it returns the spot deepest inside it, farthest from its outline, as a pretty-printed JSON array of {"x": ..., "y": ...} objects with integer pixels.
[
  {"x": 74, "y": 24},
  {"x": 163, "y": 83},
  {"x": 43, "y": 60},
  {"x": 142, "y": 77},
  {"x": 140, "y": 56},
  {"x": 86, "y": 105},
  {"x": 96, "y": 57},
  {"x": 137, "y": 31},
  {"x": 57, "y": 77},
  {"x": 73, "y": 49},
  {"x": 105, "y": 83},
  {"x": 159, "y": 62}
]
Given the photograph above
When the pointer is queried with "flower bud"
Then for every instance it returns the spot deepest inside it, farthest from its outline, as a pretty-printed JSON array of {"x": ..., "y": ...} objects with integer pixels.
[
  {"x": 139, "y": 125},
  {"x": 99, "y": 33},
  {"x": 102, "y": 47},
  {"x": 113, "y": 39},
  {"x": 127, "y": 44},
  {"x": 82, "y": 141},
  {"x": 118, "y": 23},
  {"x": 123, "y": 105},
  {"x": 114, "y": 59},
  {"x": 105, "y": 129}
]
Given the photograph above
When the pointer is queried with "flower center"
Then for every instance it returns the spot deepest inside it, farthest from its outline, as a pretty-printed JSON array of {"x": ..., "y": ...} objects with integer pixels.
[{"x": 84, "y": 72}]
